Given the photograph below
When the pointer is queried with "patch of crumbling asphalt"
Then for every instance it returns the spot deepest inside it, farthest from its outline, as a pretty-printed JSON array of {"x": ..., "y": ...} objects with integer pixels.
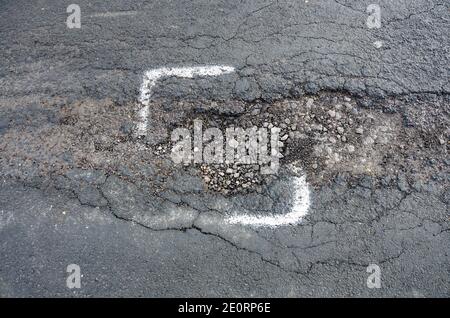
[
  {"x": 88, "y": 148},
  {"x": 376, "y": 203},
  {"x": 325, "y": 134}
]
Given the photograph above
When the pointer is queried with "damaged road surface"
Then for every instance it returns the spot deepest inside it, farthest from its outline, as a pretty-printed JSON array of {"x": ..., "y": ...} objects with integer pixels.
[{"x": 133, "y": 179}]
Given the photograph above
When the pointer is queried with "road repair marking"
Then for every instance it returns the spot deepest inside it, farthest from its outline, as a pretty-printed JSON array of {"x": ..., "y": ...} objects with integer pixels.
[
  {"x": 301, "y": 192},
  {"x": 300, "y": 207},
  {"x": 151, "y": 77}
]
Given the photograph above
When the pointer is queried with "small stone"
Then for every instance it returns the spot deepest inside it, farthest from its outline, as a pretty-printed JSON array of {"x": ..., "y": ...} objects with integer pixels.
[
  {"x": 315, "y": 166},
  {"x": 340, "y": 130},
  {"x": 337, "y": 158},
  {"x": 331, "y": 113},
  {"x": 368, "y": 141},
  {"x": 236, "y": 175},
  {"x": 294, "y": 127},
  {"x": 332, "y": 140},
  {"x": 378, "y": 44},
  {"x": 229, "y": 171},
  {"x": 287, "y": 121},
  {"x": 338, "y": 115},
  {"x": 286, "y": 136},
  {"x": 207, "y": 179},
  {"x": 366, "y": 182},
  {"x": 344, "y": 139},
  {"x": 347, "y": 99},
  {"x": 351, "y": 148},
  {"x": 359, "y": 131},
  {"x": 441, "y": 141},
  {"x": 255, "y": 112}
]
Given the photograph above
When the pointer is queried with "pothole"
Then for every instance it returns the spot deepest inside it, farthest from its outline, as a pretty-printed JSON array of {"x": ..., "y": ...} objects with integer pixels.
[{"x": 324, "y": 135}]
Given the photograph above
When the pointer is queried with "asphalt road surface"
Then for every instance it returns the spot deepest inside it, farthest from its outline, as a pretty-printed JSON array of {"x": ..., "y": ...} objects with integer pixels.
[{"x": 363, "y": 183}]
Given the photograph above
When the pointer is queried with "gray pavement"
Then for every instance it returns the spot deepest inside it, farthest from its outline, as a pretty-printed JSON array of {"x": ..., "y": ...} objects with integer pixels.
[{"x": 367, "y": 115}]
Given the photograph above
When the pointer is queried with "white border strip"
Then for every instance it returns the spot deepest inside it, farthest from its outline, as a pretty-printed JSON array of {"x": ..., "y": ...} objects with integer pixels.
[
  {"x": 301, "y": 202},
  {"x": 151, "y": 77},
  {"x": 300, "y": 208}
]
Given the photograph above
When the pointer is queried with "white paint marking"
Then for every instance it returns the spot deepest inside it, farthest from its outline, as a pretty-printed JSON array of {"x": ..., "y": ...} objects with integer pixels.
[
  {"x": 112, "y": 14},
  {"x": 152, "y": 76},
  {"x": 378, "y": 44},
  {"x": 301, "y": 202},
  {"x": 299, "y": 210}
]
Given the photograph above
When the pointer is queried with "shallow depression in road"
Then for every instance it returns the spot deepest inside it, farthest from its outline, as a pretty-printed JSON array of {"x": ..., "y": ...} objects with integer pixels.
[{"x": 91, "y": 150}]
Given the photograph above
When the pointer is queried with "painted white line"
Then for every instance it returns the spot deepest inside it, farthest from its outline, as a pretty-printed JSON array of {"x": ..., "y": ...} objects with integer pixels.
[
  {"x": 301, "y": 199},
  {"x": 112, "y": 14},
  {"x": 299, "y": 209},
  {"x": 151, "y": 77}
]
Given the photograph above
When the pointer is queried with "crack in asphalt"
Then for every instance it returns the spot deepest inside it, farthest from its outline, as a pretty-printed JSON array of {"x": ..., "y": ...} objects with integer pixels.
[
  {"x": 333, "y": 262},
  {"x": 283, "y": 51}
]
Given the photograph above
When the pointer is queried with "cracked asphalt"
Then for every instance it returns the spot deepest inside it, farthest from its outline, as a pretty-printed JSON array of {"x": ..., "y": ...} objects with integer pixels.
[{"x": 365, "y": 113}]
